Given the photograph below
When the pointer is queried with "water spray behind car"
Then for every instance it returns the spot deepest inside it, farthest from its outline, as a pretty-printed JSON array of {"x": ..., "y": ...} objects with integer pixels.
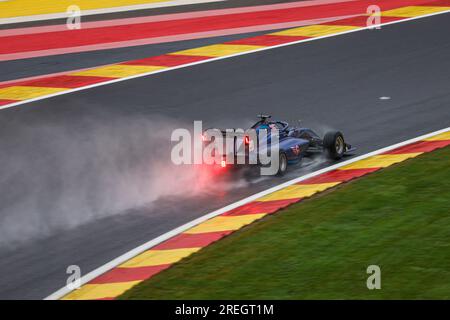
[{"x": 61, "y": 177}]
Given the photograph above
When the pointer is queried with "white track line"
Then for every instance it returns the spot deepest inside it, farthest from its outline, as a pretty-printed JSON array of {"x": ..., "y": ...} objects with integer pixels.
[
  {"x": 146, "y": 246},
  {"x": 213, "y": 59},
  {"x": 64, "y": 15}
]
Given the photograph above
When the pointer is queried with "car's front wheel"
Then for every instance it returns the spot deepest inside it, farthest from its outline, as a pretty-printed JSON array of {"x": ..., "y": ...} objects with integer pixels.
[{"x": 334, "y": 144}]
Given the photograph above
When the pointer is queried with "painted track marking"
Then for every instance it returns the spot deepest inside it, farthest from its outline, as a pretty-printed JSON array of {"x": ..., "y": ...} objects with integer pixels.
[{"x": 210, "y": 59}]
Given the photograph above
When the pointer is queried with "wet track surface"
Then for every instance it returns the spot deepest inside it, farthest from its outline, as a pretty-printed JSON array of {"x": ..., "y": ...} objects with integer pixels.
[{"x": 330, "y": 83}]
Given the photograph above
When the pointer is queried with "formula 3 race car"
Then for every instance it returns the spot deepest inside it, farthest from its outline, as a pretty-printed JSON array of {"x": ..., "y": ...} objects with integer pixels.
[{"x": 295, "y": 143}]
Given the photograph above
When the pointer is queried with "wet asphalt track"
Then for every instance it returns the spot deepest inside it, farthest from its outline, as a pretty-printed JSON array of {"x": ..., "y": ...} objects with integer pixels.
[{"x": 333, "y": 82}]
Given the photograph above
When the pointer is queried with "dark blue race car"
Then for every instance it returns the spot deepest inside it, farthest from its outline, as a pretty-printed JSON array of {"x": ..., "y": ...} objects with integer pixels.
[{"x": 297, "y": 142}]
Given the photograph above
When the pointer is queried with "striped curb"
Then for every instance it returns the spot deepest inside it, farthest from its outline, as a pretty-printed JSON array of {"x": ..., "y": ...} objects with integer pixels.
[
  {"x": 100, "y": 35},
  {"x": 26, "y": 91},
  {"x": 126, "y": 275},
  {"x": 30, "y": 10}
]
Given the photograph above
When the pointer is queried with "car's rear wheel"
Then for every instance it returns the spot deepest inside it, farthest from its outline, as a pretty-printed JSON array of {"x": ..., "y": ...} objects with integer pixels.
[
  {"x": 282, "y": 164},
  {"x": 334, "y": 144}
]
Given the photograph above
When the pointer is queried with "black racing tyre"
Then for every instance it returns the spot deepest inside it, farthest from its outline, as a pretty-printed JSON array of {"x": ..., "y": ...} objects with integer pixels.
[
  {"x": 334, "y": 145},
  {"x": 282, "y": 164}
]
